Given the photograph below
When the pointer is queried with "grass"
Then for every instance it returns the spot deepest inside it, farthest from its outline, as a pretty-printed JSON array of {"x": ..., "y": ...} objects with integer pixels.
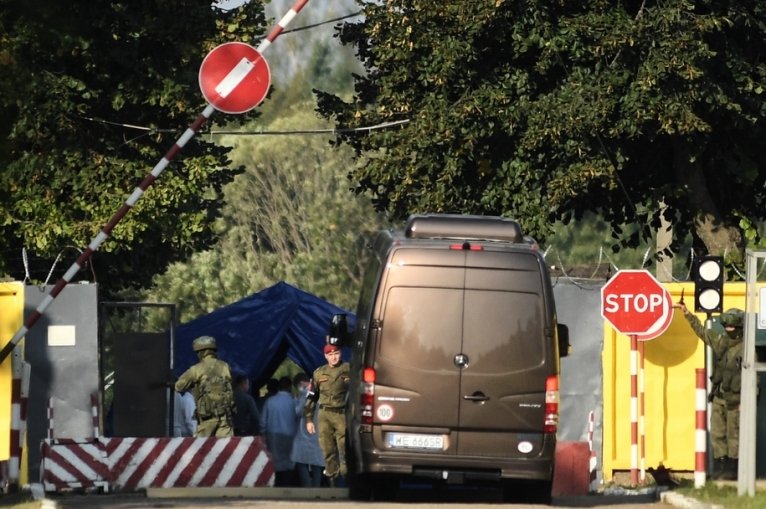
[{"x": 725, "y": 496}]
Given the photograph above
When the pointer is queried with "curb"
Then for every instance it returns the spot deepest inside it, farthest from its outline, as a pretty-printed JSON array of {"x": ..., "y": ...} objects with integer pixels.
[{"x": 684, "y": 502}]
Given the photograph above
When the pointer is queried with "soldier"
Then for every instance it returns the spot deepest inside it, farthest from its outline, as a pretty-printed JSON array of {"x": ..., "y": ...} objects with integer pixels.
[
  {"x": 210, "y": 382},
  {"x": 330, "y": 388},
  {"x": 726, "y": 385}
]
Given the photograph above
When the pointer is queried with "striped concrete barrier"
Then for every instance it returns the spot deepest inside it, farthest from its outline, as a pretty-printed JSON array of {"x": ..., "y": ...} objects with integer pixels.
[
  {"x": 132, "y": 464},
  {"x": 74, "y": 465}
]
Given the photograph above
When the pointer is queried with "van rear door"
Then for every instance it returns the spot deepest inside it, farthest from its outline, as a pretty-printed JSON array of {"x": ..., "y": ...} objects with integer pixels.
[
  {"x": 502, "y": 385},
  {"x": 417, "y": 389}
]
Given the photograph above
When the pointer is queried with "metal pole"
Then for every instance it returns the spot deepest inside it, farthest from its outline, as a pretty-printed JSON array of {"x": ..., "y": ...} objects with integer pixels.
[
  {"x": 700, "y": 432},
  {"x": 642, "y": 413},
  {"x": 633, "y": 410},
  {"x": 748, "y": 399}
]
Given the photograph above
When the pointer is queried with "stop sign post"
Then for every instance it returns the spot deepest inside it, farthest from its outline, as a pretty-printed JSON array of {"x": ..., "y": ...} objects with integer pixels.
[{"x": 635, "y": 303}]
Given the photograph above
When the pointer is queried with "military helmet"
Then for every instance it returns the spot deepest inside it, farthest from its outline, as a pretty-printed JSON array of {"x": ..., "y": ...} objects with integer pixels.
[
  {"x": 733, "y": 317},
  {"x": 204, "y": 343}
]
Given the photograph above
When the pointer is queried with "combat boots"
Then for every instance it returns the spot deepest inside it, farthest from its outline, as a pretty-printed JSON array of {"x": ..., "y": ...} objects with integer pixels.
[
  {"x": 719, "y": 467},
  {"x": 730, "y": 470}
]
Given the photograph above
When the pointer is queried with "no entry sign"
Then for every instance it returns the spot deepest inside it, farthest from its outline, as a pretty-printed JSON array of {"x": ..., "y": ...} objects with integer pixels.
[
  {"x": 635, "y": 303},
  {"x": 234, "y": 77}
]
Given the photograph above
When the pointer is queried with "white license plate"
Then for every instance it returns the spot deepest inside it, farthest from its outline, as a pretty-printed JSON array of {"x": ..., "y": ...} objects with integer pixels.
[{"x": 416, "y": 441}]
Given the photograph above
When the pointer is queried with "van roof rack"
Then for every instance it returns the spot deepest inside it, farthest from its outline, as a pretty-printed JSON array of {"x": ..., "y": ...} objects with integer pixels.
[{"x": 457, "y": 226}]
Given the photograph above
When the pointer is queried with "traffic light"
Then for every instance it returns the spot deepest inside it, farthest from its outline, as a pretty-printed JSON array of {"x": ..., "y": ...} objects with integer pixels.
[{"x": 708, "y": 284}]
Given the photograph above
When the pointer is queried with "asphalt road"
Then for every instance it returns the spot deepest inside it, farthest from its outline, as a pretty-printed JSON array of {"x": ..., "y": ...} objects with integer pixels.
[{"x": 336, "y": 499}]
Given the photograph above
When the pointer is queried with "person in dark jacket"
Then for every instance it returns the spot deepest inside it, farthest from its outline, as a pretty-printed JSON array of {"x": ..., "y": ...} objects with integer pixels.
[{"x": 246, "y": 417}]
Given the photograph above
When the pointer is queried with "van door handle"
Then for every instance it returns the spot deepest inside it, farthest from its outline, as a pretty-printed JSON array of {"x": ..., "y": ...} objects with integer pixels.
[{"x": 476, "y": 396}]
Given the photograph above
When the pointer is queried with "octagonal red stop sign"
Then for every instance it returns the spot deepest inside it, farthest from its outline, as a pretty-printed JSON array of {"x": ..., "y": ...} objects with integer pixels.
[{"x": 635, "y": 303}]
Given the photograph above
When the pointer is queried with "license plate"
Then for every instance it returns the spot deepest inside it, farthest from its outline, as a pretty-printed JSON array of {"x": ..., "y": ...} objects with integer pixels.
[{"x": 416, "y": 441}]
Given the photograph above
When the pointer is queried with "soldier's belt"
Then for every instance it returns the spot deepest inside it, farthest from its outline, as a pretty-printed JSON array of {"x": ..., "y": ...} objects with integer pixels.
[{"x": 338, "y": 410}]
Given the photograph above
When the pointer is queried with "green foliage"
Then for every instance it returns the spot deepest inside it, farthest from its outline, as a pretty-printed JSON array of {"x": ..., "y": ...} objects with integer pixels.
[
  {"x": 544, "y": 110},
  {"x": 64, "y": 172},
  {"x": 290, "y": 216}
]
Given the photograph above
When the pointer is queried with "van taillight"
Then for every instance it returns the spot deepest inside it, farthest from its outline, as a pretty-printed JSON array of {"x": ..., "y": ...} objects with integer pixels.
[
  {"x": 551, "y": 423},
  {"x": 368, "y": 395}
]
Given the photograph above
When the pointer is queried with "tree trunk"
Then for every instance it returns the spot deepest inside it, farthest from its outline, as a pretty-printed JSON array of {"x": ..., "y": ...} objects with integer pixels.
[{"x": 720, "y": 238}]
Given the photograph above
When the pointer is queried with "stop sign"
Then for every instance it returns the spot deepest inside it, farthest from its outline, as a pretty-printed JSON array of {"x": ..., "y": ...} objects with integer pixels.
[{"x": 635, "y": 303}]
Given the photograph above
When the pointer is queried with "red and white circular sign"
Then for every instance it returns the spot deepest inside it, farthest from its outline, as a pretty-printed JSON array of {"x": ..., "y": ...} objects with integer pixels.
[
  {"x": 635, "y": 303},
  {"x": 234, "y": 77}
]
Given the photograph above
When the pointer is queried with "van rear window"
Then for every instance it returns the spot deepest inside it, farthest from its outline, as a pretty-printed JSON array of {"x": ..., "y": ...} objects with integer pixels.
[
  {"x": 424, "y": 328},
  {"x": 504, "y": 331}
]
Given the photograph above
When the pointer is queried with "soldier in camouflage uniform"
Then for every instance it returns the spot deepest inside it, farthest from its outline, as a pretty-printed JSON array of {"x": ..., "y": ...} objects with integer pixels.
[
  {"x": 330, "y": 389},
  {"x": 726, "y": 385},
  {"x": 210, "y": 382}
]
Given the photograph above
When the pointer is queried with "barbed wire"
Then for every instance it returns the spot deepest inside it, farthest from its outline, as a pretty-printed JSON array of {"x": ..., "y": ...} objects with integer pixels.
[
  {"x": 566, "y": 272},
  {"x": 559, "y": 270}
]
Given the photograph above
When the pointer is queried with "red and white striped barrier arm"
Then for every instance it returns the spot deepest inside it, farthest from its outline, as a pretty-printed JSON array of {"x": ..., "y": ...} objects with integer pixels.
[
  {"x": 700, "y": 432},
  {"x": 99, "y": 239},
  {"x": 281, "y": 25}
]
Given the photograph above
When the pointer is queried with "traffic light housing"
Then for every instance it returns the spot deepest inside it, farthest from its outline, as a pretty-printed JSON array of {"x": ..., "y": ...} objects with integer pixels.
[{"x": 708, "y": 284}]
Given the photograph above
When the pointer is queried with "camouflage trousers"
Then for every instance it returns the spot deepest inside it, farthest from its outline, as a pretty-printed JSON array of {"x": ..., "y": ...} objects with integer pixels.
[
  {"x": 724, "y": 429},
  {"x": 215, "y": 427},
  {"x": 332, "y": 440}
]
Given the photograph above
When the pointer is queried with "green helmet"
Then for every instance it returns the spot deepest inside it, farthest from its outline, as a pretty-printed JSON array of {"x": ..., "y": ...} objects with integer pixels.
[
  {"x": 733, "y": 317},
  {"x": 204, "y": 343}
]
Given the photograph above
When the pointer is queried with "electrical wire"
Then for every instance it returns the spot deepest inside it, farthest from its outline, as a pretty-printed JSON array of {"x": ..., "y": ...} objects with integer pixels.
[{"x": 260, "y": 132}]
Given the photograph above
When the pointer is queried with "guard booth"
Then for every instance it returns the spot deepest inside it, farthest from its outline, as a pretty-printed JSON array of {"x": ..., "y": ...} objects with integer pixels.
[
  {"x": 670, "y": 365},
  {"x": 62, "y": 350}
]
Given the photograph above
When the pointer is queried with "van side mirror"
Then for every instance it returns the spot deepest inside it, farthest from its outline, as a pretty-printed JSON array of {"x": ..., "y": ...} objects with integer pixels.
[
  {"x": 562, "y": 333},
  {"x": 339, "y": 334}
]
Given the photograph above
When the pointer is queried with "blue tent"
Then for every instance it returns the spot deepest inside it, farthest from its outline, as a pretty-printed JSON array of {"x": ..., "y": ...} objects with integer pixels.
[{"x": 255, "y": 334}]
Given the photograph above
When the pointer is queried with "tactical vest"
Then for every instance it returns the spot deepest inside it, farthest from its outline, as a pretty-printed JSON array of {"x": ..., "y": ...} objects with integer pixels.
[{"x": 215, "y": 396}]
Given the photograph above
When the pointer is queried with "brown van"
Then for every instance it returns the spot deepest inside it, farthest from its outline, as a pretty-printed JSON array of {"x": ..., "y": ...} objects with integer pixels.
[{"x": 455, "y": 360}]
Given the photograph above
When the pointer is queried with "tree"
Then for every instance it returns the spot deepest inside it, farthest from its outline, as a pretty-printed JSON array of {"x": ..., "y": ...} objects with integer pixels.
[
  {"x": 75, "y": 77},
  {"x": 544, "y": 110},
  {"x": 290, "y": 216}
]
